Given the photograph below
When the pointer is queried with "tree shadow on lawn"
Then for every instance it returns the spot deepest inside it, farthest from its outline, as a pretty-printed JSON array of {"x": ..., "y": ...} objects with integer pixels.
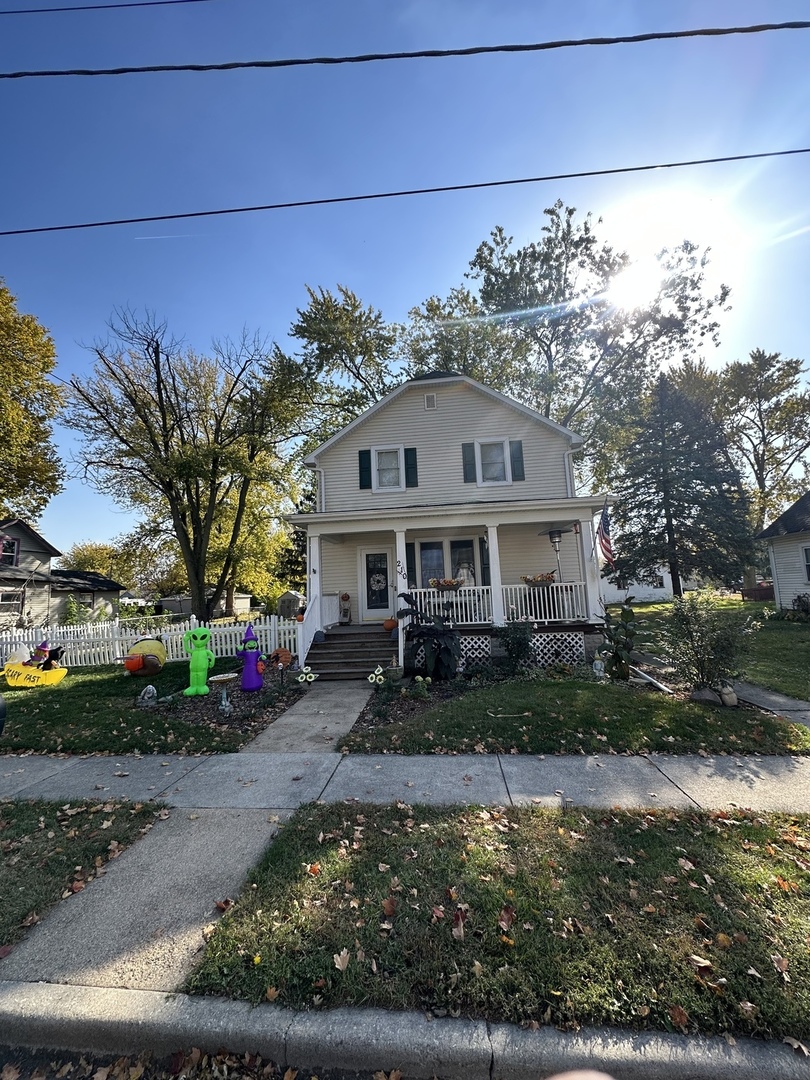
[
  {"x": 663, "y": 920},
  {"x": 570, "y": 716},
  {"x": 94, "y": 710}
]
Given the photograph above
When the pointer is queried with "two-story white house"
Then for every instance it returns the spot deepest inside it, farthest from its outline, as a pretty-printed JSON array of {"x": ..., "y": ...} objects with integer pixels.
[{"x": 447, "y": 479}]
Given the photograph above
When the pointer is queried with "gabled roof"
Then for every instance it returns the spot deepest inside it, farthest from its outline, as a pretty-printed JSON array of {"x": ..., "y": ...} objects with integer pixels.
[
  {"x": 448, "y": 377},
  {"x": 84, "y": 581},
  {"x": 41, "y": 543},
  {"x": 796, "y": 519}
]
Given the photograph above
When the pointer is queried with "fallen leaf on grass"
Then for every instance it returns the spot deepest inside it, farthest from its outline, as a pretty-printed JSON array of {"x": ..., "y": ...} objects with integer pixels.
[
  {"x": 290, "y": 1074},
  {"x": 507, "y": 917},
  {"x": 389, "y": 906},
  {"x": 458, "y": 923},
  {"x": 341, "y": 959},
  {"x": 10, "y": 1072},
  {"x": 271, "y": 993},
  {"x": 224, "y": 905},
  {"x": 700, "y": 963},
  {"x": 679, "y": 1017},
  {"x": 395, "y": 1074}
]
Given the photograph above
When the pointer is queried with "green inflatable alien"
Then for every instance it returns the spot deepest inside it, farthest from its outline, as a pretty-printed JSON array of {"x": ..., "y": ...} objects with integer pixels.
[{"x": 202, "y": 660}]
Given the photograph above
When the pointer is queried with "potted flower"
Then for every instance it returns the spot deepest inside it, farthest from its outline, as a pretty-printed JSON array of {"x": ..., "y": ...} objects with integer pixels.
[
  {"x": 446, "y": 583},
  {"x": 538, "y": 580}
]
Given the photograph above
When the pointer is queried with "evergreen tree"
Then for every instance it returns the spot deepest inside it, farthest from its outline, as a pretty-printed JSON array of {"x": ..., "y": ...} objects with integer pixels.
[{"x": 681, "y": 503}]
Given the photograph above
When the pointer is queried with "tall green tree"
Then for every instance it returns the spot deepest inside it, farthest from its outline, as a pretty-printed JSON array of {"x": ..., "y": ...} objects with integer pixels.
[
  {"x": 563, "y": 334},
  {"x": 681, "y": 503},
  {"x": 349, "y": 352},
  {"x": 767, "y": 405},
  {"x": 194, "y": 433},
  {"x": 110, "y": 559},
  {"x": 29, "y": 469}
]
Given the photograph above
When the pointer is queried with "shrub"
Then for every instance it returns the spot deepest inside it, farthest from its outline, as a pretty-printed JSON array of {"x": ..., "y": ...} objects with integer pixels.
[
  {"x": 442, "y": 644},
  {"x": 704, "y": 644},
  {"x": 516, "y": 635},
  {"x": 619, "y": 634}
]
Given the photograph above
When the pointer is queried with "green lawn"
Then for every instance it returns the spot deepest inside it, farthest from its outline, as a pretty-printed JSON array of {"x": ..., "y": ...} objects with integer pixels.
[
  {"x": 664, "y": 920},
  {"x": 50, "y": 851},
  {"x": 547, "y": 716},
  {"x": 93, "y": 711}
]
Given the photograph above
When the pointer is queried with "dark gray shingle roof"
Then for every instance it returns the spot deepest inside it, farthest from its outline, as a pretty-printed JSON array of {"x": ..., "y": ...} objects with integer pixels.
[{"x": 796, "y": 519}]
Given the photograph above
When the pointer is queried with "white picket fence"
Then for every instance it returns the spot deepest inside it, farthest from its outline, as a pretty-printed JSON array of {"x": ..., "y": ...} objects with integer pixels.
[{"x": 105, "y": 642}]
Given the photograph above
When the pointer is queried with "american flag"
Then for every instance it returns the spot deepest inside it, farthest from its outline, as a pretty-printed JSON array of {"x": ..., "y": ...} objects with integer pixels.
[{"x": 603, "y": 536}]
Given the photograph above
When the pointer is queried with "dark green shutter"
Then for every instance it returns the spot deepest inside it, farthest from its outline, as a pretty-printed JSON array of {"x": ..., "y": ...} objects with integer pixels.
[
  {"x": 411, "y": 475},
  {"x": 410, "y": 564},
  {"x": 483, "y": 550},
  {"x": 516, "y": 454},
  {"x": 364, "y": 461},
  {"x": 468, "y": 458}
]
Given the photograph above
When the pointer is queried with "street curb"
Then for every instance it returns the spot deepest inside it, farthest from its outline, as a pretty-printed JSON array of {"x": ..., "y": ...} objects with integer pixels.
[{"x": 95, "y": 1020}]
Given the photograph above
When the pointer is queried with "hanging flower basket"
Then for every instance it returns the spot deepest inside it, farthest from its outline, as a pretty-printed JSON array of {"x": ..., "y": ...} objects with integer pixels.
[{"x": 446, "y": 584}]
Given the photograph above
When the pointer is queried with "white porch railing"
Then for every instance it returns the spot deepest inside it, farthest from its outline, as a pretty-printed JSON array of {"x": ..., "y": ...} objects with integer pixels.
[
  {"x": 557, "y": 602},
  {"x": 103, "y": 643},
  {"x": 330, "y": 609}
]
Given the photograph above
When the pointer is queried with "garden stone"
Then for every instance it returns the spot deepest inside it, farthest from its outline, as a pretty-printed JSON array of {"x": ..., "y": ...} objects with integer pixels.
[{"x": 705, "y": 696}]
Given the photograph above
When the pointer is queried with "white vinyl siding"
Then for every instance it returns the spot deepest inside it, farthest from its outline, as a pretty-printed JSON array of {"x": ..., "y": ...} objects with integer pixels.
[
  {"x": 466, "y": 414},
  {"x": 790, "y": 563}
]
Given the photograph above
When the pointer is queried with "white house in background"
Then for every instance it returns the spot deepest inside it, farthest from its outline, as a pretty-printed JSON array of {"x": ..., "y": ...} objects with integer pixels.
[
  {"x": 660, "y": 589},
  {"x": 789, "y": 550},
  {"x": 446, "y": 478}
]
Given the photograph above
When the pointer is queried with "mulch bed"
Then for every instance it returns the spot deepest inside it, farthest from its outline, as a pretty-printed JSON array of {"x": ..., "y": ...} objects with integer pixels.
[{"x": 250, "y": 712}]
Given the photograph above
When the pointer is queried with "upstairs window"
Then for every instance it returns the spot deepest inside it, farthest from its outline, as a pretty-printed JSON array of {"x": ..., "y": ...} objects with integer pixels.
[
  {"x": 10, "y": 551},
  {"x": 807, "y": 564},
  {"x": 388, "y": 468},
  {"x": 496, "y": 461}
]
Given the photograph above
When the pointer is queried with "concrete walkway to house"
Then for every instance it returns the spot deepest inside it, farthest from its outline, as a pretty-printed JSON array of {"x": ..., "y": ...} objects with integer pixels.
[{"x": 95, "y": 972}]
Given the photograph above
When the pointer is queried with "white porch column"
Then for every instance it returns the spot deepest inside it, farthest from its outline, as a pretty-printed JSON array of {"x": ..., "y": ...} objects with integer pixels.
[
  {"x": 498, "y": 612},
  {"x": 401, "y": 585},
  {"x": 590, "y": 569},
  {"x": 314, "y": 578}
]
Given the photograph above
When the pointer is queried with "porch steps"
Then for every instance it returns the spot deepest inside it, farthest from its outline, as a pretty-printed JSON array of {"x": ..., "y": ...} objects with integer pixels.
[{"x": 351, "y": 652}]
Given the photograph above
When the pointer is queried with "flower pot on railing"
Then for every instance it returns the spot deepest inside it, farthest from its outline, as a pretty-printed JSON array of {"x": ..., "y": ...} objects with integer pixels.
[{"x": 538, "y": 581}]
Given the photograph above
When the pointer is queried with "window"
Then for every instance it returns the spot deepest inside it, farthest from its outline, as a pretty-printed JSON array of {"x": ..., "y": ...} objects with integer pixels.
[
  {"x": 430, "y": 401},
  {"x": 497, "y": 461},
  {"x": 388, "y": 468},
  {"x": 10, "y": 551},
  {"x": 807, "y": 564}
]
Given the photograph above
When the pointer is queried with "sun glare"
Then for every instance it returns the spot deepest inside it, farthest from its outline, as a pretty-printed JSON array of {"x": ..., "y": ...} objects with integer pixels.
[
  {"x": 636, "y": 286},
  {"x": 648, "y": 222}
]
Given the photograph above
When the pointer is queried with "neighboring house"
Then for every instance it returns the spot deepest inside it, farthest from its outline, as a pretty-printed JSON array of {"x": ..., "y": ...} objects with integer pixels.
[
  {"x": 646, "y": 593},
  {"x": 97, "y": 594},
  {"x": 25, "y": 575},
  {"x": 181, "y": 605},
  {"x": 446, "y": 478},
  {"x": 31, "y": 593},
  {"x": 789, "y": 550}
]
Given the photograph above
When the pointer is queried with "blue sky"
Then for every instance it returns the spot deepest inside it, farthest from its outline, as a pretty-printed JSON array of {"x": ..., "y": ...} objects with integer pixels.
[{"x": 86, "y": 149}]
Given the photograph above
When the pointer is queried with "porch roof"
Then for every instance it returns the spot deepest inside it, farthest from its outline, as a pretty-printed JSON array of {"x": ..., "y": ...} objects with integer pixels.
[{"x": 551, "y": 511}]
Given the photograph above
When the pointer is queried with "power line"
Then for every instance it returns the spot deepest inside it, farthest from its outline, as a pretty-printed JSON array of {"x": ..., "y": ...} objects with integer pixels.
[
  {"x": 478, "y": 50},
  {"x": 101, "y": 7},
  {"x": 407, "y": 192}
]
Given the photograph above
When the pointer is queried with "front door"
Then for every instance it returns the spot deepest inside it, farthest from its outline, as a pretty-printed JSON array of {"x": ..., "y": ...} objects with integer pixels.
[{"x": 377, "y": 595}]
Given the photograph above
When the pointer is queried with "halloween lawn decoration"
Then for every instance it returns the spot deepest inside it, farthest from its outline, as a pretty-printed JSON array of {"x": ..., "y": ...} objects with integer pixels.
[
  {"x": 202, "y": 660},
  {"x": 252, "y": 661}
]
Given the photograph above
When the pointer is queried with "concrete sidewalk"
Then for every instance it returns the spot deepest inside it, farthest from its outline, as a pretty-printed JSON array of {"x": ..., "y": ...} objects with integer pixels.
[{"x": 138, "y": 930}]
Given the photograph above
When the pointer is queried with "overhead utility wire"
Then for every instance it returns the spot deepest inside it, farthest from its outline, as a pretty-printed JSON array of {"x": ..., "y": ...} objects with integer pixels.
[
  {"x": 401, "y": 194},
  {"x": 101, "y": 7},
  {"x": 477, "y": 50}
]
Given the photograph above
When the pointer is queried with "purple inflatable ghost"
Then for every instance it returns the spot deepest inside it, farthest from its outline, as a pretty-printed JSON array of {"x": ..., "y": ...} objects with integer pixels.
[{"x": 252, "y": 661}]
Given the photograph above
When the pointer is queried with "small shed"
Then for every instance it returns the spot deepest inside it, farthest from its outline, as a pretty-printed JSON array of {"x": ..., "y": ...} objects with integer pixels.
[
  {"x": 289, "y": 603},
  {"x": 788, "y": 540}
]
